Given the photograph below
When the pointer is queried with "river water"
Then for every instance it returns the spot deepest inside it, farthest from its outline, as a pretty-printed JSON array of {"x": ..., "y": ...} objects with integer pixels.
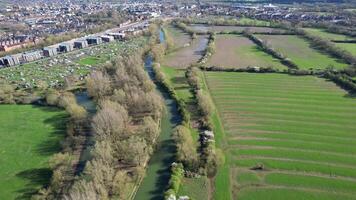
[{"x": 158, "y": 171}]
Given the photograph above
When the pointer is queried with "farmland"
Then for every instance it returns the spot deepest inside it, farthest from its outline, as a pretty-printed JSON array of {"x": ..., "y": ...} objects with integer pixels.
[
  {"x": 239, "y": 52},
  {"x": 287, "y": 137},
  {"x": 301, "y": 53},
  {"x": 29, "y": 135}
]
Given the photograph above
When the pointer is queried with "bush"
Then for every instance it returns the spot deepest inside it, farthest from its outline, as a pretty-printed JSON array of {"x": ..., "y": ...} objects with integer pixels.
[{"x": 186, "y": 148}]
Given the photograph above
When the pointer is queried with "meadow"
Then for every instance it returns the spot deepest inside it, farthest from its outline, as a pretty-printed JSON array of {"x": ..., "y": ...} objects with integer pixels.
[
  {"x": 286, "y": 137},
  {"x": 29, "y": 135},
  {"x": 326, "y": 35},
  {"x": 350, "y": 47},
  {"x": 301, "y": 52},
  {"x": 234, "y": 51}
]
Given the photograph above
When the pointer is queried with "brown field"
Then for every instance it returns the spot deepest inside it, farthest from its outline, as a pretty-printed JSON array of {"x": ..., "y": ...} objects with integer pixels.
[
  {"x": 187, "y": 55},
  {"x": 239, "y": 52},
  {"x": 202, "y": 27},
  {"x": 180, "y": 38}
]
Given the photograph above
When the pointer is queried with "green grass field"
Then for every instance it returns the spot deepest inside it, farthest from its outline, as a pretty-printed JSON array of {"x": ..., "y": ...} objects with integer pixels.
[
  {"x": 300, "y": 52},
  {"x": 326, "y": 35},
  {"x": 29, "y": 135},
  {"x": 350, "y": 47},
  {"x": 239, "y": 52},
  {"x": 302, "y": 131},
  {"x": 89, "y": 61}
]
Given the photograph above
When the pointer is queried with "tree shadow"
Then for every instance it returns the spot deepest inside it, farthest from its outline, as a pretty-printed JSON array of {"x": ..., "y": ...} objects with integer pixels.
[
  {"x": 40, "y": 177},
  {"x": 35, "y": 177},
  {"x": 59, "y": 121}
]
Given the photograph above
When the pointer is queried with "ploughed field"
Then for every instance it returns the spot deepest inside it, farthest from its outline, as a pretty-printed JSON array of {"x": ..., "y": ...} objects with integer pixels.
[
  {"x": 287, "y": 137},
  {"x": 29, "y": 136},
  {"x": 233, "y": 51},
  {"x": 301, "y": 53}
]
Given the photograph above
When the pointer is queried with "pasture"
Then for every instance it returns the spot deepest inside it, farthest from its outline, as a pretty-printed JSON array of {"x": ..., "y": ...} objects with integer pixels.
[
  {"x": 301, "y": 52},
  {"x": 326, "y": 35},
  {"x": 350, "y": 47},
  {"x": 286, "y": 137},
  {"x": 29, "y": 135},
  {"x": 234, "y": 51}
]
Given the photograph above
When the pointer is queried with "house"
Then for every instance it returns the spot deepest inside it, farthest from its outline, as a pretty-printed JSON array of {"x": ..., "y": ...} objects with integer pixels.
[
  {"x": 94, "y": 40},
  {"x": 80, "y": 44},
  {"x": 66, "y": 47},
  {"x": 49, "y": 51},
  {"x": 107, "y": 38}
]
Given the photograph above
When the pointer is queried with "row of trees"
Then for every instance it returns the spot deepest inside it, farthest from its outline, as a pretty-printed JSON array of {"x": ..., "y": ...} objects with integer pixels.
[
  {"x": 326, "y": 46},
  {"x": 270, "y": 50},
  {"x": 125, "y": 129},
  {"x": 222, "y": 21},
  {"x": 209, "y": 159},
  {"x": 210, "y": 49},
  {"x": 63, "y": 164}
]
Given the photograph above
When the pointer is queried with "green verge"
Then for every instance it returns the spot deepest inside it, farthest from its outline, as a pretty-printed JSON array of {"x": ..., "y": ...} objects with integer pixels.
[
  {"x": 222, "y": 179},
  {"x": 29, "y": 135}
]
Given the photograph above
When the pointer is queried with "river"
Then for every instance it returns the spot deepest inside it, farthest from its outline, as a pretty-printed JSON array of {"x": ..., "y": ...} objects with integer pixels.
[
  {"x": 158, "y": 171},
  {"x": 85, "y": 101}
]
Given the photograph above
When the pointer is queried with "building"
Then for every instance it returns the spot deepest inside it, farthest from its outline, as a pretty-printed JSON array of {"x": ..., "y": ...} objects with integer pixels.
[
  {"x": 118, "y": 36},
  {"x": 94, "y": 40},
  {"x": 80, "y": 44},
  {"x": 11, "y": 60},
  {"x": 107, "y": 38},
  {"x": 49, "y": 51},
  {"x": 31, "y": 56},
  {"x": 65, "y": 47}
]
